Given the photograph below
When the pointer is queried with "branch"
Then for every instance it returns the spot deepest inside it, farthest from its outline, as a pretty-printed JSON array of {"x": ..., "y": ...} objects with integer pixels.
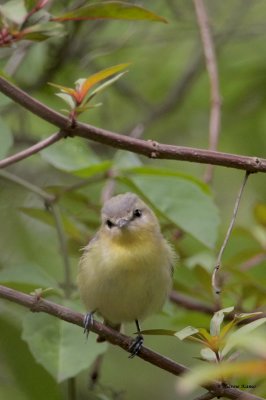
[
  {"x": 215, "y": 285},
  {"x": 148, "y": 148},
  {"x": 189, "y": 303},
  {"x": 40, "y": 305},
  {"x": 211, "y": 65},
  {"x": 32, "y": 149}
]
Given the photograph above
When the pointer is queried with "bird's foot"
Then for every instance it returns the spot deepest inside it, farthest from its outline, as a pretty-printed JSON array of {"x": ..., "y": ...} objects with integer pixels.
[
  {"x": 136, "y": 346},
  {"x": 88, "y": 322}
]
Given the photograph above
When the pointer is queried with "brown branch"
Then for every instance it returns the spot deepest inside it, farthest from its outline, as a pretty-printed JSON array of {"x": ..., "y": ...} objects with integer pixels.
[
  {"x": 189, "y": 303},
  {"x": 55, "y": 137},
  {"x": 211, "y": 66},
  {"x": 40, "y": 305},
  {"x": 148, "y": 148}
]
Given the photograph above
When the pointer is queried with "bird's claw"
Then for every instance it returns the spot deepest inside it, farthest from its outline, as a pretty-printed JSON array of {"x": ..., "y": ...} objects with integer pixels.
[
  {"x": 136, "y": 346},
  {"x": 88, "y": 322}
]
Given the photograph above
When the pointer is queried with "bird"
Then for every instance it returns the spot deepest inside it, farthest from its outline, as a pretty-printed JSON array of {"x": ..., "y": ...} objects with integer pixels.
[{"x": 125, "y": 272}]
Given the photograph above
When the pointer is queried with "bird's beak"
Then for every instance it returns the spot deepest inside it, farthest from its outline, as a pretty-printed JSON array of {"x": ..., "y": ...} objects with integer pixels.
[{"x": 122, "y": 222}]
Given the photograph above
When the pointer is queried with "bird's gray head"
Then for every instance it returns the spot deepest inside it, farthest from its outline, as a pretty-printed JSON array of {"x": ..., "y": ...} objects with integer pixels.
[{"x": 127, "y": 213}]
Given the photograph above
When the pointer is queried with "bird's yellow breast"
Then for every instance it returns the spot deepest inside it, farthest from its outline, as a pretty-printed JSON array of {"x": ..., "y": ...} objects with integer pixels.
[{"x": 126, "y": 278}]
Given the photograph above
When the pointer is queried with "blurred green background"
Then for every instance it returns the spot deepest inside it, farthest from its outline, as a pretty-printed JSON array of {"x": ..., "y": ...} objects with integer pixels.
[{"x": 165, "y": 97}]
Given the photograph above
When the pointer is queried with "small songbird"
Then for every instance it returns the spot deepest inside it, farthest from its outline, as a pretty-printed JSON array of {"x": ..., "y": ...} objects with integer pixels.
[{"x": 125, "y": 273}]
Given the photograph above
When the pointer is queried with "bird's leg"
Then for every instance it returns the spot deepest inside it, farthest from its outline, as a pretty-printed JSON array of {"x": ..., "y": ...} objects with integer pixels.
[
  {"x": 88, "y": 322},
  {"x": 138, "y": 342}
]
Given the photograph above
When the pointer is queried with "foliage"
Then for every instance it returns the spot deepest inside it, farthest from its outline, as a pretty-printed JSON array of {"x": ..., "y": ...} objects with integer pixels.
[
  {"x": 164, "y": 97},
  {"x": 28, "y": 20},
  {"x": 77, "y": 99},
  {"x": 218, "y": 345}
]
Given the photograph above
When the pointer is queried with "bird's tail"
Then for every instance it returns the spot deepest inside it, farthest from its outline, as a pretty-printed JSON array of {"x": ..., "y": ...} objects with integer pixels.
[{"x": 116, "y": 327}]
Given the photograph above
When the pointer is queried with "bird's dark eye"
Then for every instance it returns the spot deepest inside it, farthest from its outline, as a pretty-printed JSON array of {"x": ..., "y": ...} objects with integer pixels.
[
  {"x": 109, "y": 223},
  {"x": 137, "y": 213}
]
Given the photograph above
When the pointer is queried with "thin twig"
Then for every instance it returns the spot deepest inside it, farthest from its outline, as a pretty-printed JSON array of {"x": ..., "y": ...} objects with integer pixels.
[
  {"x": 215, "y": 285},
  {"x": 31, "y": 150},
  {"x": 116, "y": 338},
  {"x": 211, "y": 66},
  {"x": 148, "y": 148}
]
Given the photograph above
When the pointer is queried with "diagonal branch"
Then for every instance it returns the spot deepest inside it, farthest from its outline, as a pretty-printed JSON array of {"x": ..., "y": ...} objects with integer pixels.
[
  {"x": 215, "y": 284},
  {"x": 36, "y": 304},
  {"x": 148, "y": 148},
  {"x": 55, "y": 137}
]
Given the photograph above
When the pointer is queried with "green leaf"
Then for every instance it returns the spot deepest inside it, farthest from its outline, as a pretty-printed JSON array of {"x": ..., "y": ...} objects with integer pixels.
[
  {"x": 186, "y": 332},
  {"x": 104, "y": 85},
  {"x": 14, "y": 11},
  {"x": 29, "y": 274},
  {"x": 111, "y": 10},
  {"x": 84, "y": 85},
  {"x": 251, "y": 342},
  {"x": 236, "y": 336},
  {"x": 180, "y": 200},
  {"x": 203, "y": 259},
  {"x": 58, "y": 346},
  {"x": 144, "y": 170},
  {"x": 227, "y": 328},
  {"x": 81, "y": 109},
  {"x": 6, "y": 139},
  {"x": 208, "y": 355},
  {"x": 242, "y": 316},
  {"x": 68, "y": 99},
  {"x": 70, "y": 155},
  {"x": 217, "y": 320},
  {"x": 40, "y": 32},
  {"x": 124, "y": 160},
  {"x": 93, "y": 170},
  {"x": 205, "y": 334},
  {"x": 45, "y": 216}
]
